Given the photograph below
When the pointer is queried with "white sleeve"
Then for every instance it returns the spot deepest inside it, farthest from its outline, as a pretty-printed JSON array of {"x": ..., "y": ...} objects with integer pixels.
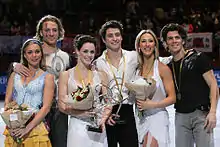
[{"x": 165, "y": 60}]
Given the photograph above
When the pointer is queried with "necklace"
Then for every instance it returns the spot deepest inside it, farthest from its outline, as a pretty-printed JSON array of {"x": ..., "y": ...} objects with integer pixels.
[
  {"x": 81, "y": 78},
  {"x": 148, "y": 70}
]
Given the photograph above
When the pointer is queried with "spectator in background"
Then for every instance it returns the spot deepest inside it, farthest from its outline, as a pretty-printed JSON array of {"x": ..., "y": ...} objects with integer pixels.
[
  {"x": 147, "y": 23},
  {"x": 27, "y": 29},
  {"x": 188, "y": 27},
  {"x": 15, "y": 28},
  {"x": 132, "y": 7},
  {"x": 159, "y": 19},
  {"x": 5, "y": 26}
]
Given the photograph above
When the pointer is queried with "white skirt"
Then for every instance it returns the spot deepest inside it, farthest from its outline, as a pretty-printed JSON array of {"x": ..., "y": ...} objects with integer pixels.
[
  {"x": 157, "y": 125},
  {"x": 78, "y": 135}
]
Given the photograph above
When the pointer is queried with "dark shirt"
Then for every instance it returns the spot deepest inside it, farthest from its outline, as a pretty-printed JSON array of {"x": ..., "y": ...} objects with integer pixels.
[{"x": 193, "y": 87}]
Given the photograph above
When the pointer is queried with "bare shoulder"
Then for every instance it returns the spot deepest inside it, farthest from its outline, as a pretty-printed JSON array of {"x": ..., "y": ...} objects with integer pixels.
[
  {"x": 163, "y": 66},
  {"x": 49, "y": 76},
  {"x": 12, "y": 74},
  {"x": 163, "y": 69}
]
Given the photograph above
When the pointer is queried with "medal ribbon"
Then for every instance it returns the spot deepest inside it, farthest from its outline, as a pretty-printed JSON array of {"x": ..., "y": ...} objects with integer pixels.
[
  {"x": 179, "y": 78},
  {"x": 123, "y": 74},
  {"x": 180, "y": 72}
]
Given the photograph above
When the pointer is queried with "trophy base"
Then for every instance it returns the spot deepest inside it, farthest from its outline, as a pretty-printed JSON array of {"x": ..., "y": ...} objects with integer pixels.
[
  {"x": 119, "y": 121},
  {"x": 94, "y": 129}
]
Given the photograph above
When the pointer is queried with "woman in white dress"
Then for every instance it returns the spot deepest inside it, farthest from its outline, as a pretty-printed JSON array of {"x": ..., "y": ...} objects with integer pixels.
[
  {"x": 82, "y": 76},
  {"x": 152, "y": 126}
]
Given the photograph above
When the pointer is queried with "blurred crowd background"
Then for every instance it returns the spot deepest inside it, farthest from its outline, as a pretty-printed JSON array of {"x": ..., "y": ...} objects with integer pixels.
[{"x": 18, "y": 19}]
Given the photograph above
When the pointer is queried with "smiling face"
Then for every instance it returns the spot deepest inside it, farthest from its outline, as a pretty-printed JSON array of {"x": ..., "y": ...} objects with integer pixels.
[
  {"x": 174, "y": 42},
  {"x": 50, "y": 33},
  {"x": 147, "y": 44},
  {"x": 86, "y": 53},
  {"x": 113, "y": 39},
  {"x": 33, "y": 54}
]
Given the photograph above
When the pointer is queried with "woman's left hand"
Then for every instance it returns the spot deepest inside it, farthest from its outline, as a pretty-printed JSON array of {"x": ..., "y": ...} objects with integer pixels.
[{"x": 145, "y": 104}]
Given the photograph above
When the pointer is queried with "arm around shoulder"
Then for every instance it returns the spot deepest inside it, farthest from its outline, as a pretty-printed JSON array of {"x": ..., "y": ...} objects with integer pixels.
[{"x": 21, "y": 69}]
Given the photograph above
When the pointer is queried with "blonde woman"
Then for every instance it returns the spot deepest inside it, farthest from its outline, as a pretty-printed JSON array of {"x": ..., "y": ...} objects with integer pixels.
[{"x": 152, "y": 127}]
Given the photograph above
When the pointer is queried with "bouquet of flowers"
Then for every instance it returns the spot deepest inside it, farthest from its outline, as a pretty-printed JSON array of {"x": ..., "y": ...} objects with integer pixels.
[
  {"x": 81, "y": 98},
  {"x": 143, "y": 88},
  {"x": 17, "y": 116}
]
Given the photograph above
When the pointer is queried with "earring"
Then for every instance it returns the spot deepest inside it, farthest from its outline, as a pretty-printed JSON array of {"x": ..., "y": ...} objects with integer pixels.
[{"x": 139, "y": 49}]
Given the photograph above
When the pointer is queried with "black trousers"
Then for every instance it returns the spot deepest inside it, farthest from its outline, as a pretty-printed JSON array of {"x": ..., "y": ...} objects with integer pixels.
[
  {"x": 124, "y": 134},
  {"x": 58, "y": 123}
]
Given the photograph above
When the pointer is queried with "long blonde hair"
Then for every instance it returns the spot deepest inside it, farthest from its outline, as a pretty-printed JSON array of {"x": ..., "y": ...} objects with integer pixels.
[{"x": 137, "y": 47}]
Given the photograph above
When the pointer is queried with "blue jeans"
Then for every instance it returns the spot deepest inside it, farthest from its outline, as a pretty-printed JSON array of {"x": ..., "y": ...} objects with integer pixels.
[{"x": 190, "y": 129}]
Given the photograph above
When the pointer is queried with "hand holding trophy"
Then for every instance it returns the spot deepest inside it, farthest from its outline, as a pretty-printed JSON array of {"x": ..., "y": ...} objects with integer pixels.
[
  {"x": 102, "y": 99},
  {"x": 85, "y": 99},
  {"x": 117, "y": 98}
]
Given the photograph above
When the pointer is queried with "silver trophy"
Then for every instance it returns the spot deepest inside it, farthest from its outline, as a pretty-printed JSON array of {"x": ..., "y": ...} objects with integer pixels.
[
  {"x": 102, "y": 100},
  {"x": 117, "y": 99}
]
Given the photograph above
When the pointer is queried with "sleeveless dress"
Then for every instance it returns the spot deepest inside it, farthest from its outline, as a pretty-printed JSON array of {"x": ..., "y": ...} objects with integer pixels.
[
  {"x": 155, "y": 121},
  {"x": 31, "y": 95},
  {"x": 78, "y": 135}
]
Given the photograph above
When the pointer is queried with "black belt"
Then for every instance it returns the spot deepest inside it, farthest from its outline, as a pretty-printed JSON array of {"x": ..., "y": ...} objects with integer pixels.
[{"x": 202, "y": 107}]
